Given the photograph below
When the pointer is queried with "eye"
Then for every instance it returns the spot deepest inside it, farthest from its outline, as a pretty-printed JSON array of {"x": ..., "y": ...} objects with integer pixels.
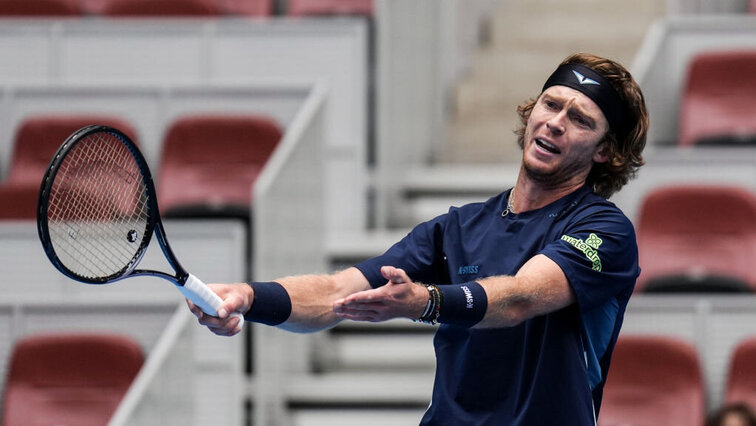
[
  {"x": 551, "y": 105},
  {"x": 581, "y": 121}
]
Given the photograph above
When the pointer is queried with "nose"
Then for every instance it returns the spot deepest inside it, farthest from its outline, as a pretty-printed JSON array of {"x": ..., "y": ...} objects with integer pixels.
[{"x": 556, "y": 123}]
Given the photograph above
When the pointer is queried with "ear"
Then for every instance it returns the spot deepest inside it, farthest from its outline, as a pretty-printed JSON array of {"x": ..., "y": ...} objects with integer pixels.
[{"x": 602, "y": 153}]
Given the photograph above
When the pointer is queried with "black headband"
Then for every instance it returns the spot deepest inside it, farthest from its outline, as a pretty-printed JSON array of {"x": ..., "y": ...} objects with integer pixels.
[{"x": 596, "y": 87}]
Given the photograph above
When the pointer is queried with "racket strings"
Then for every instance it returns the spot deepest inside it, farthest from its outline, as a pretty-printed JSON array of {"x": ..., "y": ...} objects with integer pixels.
[
  {"x": 98, "y": 211},
  {"x": 96, "y": 203},
  {"x": 78, "y": 226},
  {"x": 76, "y": 220}
]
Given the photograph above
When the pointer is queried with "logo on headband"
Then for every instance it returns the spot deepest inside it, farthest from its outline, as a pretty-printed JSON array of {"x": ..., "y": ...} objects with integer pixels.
[{"x": 584, "y": 80}]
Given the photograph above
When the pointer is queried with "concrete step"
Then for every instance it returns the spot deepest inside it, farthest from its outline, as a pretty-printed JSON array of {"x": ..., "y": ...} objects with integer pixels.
[
  {"x": 428, "y": 192},
  {"x": 431, "y": 191},
  {"x": 381, "y": 416},
  {"x": 345, "y": 250},
  {"x": 460, "y": 179},
  {"x": 406, "y": 350},
  {"x": 501, "y": 78},
  {"x": 342, "y": 388},
  {"x": 487, "y": 137},
  {"x": 496, "y": 100},
  {"x": 605, "y": 9},
  {"x": 540, "y": 42},
  {"x": 570, "y": 20},
  {"x": 511, "y": 66}
]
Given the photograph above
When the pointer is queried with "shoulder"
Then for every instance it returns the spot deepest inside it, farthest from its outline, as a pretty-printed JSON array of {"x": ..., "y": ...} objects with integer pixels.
[
  {"x": 594, "y": 218},
  {"x": 595, "y": 209}
]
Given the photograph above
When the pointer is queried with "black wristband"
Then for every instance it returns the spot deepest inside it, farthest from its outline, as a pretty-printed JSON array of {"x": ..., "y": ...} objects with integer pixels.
[
  {"x": 271, "y": 305},
  {"x": 462, "y": 304}
]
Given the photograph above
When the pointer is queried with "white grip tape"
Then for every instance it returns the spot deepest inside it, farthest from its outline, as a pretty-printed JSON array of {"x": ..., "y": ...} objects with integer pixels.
[{"x": 201, "y": 295}]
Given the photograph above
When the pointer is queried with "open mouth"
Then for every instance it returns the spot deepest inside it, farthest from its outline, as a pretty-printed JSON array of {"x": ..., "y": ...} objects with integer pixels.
[{"x": 547, "y": 146}]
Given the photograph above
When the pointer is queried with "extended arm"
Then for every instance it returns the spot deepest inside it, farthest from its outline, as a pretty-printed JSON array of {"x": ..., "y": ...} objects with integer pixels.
[
  {"x": 539, "y": 287},
  {"x": 312, "y": 298}
]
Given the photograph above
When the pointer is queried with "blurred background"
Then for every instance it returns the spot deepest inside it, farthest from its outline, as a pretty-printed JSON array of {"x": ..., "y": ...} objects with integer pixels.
[{"x": 298, "y": 136}]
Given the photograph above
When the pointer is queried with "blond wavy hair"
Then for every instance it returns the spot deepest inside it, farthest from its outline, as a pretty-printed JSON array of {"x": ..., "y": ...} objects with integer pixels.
[{"x": 624, "y": 150}]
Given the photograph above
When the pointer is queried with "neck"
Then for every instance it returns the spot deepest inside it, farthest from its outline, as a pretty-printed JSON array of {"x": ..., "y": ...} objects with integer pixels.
[{"x": 530, "y": 195}]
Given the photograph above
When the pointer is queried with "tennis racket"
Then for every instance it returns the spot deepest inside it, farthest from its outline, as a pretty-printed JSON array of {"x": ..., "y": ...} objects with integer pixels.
[{"x": 98, "y": 211}]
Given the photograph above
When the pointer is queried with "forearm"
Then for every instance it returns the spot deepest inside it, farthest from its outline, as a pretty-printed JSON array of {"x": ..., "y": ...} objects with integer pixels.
[
  {"x": 539, "y": 287},
  {"x": 311, "y": 302},
  {"x": 508, "y": 303},
  {"x": 312, "y": 298}
]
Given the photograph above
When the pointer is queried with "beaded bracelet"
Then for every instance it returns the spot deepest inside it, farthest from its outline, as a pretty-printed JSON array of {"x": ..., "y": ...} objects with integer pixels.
[{"x": 433, "y": 308}]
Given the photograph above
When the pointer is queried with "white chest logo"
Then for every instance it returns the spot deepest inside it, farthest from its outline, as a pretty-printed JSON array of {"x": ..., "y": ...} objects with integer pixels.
[{"x": 584, "y": 80}]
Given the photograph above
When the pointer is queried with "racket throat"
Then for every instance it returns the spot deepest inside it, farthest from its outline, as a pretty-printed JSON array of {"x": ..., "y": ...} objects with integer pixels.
[{"x": 181, "y": 280}]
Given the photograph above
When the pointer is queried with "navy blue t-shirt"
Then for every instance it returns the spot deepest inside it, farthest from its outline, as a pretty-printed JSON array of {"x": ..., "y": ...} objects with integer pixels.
[{"x": 547, "y": 370}]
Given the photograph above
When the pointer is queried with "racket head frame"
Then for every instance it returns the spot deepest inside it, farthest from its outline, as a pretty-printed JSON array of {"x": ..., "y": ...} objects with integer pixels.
[{"x": 154, "y": 224}]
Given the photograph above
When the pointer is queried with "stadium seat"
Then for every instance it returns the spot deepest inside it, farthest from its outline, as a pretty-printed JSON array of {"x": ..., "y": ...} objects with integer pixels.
[
  {"x": 329, "y": 7},
  {"x": 52, "y": 8},
  {"x": 36, "y": 141},
  {"x": 248, "y": 7},
  {"x": 68, "y": 379},
  {"x": 39, "y": 137},
  {"x": 691, "y": 283},
  {"x": 740, "y": 385},
  {"x": 147, "y": 8},
  {"x": 18, "y": 202},
  {"x": 697, "y": 230},
  {"x": 717, "y": 102},
  {"x": 179, "y": 8},
  {"x": 653, "y": 380},
  {"x": 209, "y": 163}
]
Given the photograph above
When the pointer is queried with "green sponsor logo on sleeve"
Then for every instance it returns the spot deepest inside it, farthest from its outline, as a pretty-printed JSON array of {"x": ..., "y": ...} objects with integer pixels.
[{"x": 589, "y": 248}]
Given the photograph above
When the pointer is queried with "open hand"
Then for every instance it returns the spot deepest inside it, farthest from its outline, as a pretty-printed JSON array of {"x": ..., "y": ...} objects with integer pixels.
[{"x": 399, "y": 298}]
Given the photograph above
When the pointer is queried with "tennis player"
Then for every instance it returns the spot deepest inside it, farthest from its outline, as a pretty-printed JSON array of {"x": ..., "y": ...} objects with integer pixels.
[{"x": 529, "y": 287}]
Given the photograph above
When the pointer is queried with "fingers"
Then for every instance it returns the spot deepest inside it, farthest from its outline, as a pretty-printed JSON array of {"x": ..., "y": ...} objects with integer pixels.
[
  {"x": 194, "y": 309},
  {"x": 375, "y": 296},
  {"x": 395, "y": 275},
  {"x": 233, "y": 297},
  {"x": 359, "y": 311},
  {"x": 232, "y": 303},
  {"x": 370, "y": 305},
  {"x": 393, "y": 300},
  {"x": 222, "y": 325},
  {"x": 362, "y": 316}
]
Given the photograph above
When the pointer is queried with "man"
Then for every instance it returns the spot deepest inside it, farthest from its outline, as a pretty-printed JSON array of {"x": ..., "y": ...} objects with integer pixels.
[{"x": 529, "y": 287}]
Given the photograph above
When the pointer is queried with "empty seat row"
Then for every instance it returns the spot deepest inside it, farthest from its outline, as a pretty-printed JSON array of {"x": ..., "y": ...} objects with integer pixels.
[
  {"x": 658, "y": 380},
  {"x": 60, "y": 8},
  {"x": 717, "y": 101},
  {"x": 653, "y": 380},
  {"x": 697, "y": 238},
  {"x": 68, "y": 379},
  {"x": 209, "y": 164},
  {"x": 207, "y": 167},
  {"x": 81, "y": 378}
]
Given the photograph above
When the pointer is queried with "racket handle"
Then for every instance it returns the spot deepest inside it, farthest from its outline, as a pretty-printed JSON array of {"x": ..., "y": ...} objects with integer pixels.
[{"x": 201, "y": 295}]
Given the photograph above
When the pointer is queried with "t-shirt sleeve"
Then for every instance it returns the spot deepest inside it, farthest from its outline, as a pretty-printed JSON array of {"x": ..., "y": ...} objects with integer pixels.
[
  {"x": 599, "y": 255},
  {"x": 419, "y": 253}
]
